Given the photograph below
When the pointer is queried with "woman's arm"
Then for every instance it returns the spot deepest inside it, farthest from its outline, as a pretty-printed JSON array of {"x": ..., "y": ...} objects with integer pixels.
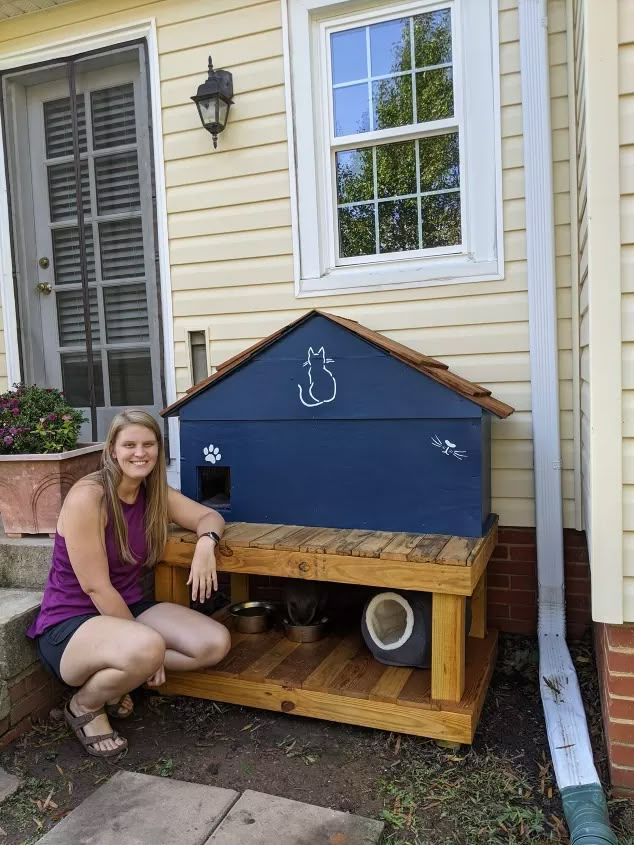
[
  {"x": 82, "y": 522},
  {"x": 195, "y": 517}
]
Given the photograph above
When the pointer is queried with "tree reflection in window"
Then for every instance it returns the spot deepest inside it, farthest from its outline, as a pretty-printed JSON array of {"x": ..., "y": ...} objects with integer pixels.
[{"x": 396, "y": 196}]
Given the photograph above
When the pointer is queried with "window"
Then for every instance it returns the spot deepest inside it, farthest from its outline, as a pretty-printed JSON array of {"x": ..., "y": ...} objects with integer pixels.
[{"x": 396, "y": 143}]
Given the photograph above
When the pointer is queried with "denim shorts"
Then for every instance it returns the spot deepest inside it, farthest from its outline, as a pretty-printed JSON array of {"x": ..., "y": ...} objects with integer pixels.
[{"x": 50, "y": 645}]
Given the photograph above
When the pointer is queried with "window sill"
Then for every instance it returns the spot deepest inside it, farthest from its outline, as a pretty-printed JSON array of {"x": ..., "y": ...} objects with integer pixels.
[{"x": 399, "y": 275}]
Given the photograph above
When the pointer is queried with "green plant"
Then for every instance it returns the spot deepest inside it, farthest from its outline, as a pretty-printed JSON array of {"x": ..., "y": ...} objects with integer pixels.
[{"x": 37, "y": 420}]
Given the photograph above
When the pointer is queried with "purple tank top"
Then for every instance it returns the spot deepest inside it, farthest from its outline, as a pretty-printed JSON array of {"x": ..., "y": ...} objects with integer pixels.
[{"x": 63, "y": 596}]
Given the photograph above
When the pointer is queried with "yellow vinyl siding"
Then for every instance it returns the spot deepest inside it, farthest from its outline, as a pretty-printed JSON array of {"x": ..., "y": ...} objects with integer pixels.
[
  {"x": 626, "y": 160},
  {"x": 229, "y": 217}
]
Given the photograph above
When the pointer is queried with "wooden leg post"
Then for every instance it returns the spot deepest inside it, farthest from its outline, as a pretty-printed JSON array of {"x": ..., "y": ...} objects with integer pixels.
[
  {"x": 239, "y": 587},
  {"x": 163, "y": 582},
  {"x": 479, "y": 609},
  {"x": 181, "y": 591},
  {"x": 448, "y": 647}
]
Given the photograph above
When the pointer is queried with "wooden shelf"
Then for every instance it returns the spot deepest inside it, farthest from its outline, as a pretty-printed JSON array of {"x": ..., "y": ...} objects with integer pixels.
[{"x": 338, "y": 679}]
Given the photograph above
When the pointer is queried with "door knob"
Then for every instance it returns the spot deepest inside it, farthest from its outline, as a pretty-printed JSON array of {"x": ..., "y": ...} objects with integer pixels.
[{"x": 44, "y": 287}]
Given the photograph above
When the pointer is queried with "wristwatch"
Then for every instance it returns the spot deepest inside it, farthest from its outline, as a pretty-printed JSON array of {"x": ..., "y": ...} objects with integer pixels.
[{"x": 213, "y": 536}]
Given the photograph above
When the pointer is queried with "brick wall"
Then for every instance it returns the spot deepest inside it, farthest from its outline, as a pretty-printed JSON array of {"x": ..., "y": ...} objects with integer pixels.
[
  {"x": 32, "y": 694},
  {"x": 512, "y": 582},
  {"x": 614, "y": 648}
]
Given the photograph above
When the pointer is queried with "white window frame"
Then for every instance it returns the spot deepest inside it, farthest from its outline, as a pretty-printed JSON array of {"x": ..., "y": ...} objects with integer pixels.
[{"x": 476, "y": 91}]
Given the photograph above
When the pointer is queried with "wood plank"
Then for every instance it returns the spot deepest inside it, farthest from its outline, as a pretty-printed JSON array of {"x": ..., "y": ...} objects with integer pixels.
[
  {"x": 483, "y": 551},
  {"x": 373, "y": 545},
  {"x": 346, "y": 541},
  {"x": 390, "y": 684},
  {"x": 323, "y": 540},
  {"x": 436, "y": 724},
  {"x": 417, "y": 690},
  {"x": 457, "y": 551},
  {"x": 479, "y": 609},
  {"x": 293, "y": 541},
  {"x": 246, "y": 652},
  {"x": 181, "y": 591},
  {"x": 327, "y": 671},
  {"x": 400, "y": 546},
  {"x": 239, "y": 534},
  {"x": 303, "y": 661},
  {"x": 358, "y": 676},
  {"x": 268, "y": 541},
  {"x": 265, "y": 664},
  {"x": 448, "y": 647},
  {"x": 429, "y": 546},
  {"x": 479, "y": 665}
]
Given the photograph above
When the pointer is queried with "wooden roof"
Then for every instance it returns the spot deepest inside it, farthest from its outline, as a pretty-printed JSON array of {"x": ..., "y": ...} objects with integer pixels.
[{"x": 430, "y": 367}]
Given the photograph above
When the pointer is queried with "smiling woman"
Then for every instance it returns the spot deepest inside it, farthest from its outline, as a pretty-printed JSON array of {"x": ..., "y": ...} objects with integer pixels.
[{"x": 94, "y": 630}]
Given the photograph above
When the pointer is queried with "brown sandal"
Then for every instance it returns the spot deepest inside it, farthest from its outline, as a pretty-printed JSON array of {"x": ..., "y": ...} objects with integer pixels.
[
  {"x": 114, "y": 710},
  {"x": 76, "y": 723}
]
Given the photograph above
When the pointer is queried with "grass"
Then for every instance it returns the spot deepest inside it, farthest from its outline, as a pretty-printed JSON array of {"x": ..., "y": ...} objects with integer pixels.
[
  {"x": 474, "y": 798},
  {"x": 28, "y": 809}
]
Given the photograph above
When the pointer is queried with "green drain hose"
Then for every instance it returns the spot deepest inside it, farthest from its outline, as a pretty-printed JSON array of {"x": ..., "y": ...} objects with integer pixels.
[{"x": 586, "y": 812}]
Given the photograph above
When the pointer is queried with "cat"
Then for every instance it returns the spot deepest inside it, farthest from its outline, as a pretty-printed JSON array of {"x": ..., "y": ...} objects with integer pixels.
[
  {"x": 305, "y": 601},
  {"x": 321, "y": 381}
]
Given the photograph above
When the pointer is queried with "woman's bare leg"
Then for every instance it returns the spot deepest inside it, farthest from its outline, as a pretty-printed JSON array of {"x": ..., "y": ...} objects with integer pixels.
[
  {"x": 107, "y": 657},
  {"x": 192, "y": 640}
]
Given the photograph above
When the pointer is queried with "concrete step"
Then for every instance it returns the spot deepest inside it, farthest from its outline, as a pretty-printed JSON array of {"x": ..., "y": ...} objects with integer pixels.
[
  {"x": 140, "y": 809},
  {"x": 18, "y": 609},
  {"x": 25, "y": 562}
]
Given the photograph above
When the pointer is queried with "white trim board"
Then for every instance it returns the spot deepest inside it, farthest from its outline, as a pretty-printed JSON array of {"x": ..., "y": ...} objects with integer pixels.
[{"x": 145, "y": 29}]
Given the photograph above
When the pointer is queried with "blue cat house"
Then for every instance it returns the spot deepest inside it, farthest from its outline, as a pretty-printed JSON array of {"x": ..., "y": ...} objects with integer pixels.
[{"x": 327, "y": 423}]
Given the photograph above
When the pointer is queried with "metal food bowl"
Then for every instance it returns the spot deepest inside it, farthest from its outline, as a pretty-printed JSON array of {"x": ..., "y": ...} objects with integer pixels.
[
  {"x": 306, "y": 633},
  {"x": 252, "y": 617}
]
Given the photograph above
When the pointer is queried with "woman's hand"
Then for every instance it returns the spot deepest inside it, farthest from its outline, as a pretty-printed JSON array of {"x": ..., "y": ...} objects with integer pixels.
[
  {"x": 158, "y": 678},
  {"x": 202, "y": 575}
]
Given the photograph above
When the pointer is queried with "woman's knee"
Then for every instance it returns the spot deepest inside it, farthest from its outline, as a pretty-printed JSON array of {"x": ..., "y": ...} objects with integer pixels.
[
  {"x": 215, "y": 646},
  {"x": 145, "y": 651}
]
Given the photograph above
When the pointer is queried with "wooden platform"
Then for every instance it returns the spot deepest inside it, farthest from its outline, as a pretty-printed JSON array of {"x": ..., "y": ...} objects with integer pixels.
[{"x": 337, "y": 678}]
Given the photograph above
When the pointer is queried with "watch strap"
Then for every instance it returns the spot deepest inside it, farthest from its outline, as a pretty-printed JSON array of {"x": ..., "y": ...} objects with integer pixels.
[{"x": 213, "y": 536}]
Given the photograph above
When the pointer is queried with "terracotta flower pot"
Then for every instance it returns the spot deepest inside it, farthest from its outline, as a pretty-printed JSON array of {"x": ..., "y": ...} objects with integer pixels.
[{"x": 33, "y": 487}]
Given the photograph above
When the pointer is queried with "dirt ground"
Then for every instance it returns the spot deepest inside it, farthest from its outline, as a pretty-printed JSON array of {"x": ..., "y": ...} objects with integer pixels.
[{"x": 501, "y": 790}]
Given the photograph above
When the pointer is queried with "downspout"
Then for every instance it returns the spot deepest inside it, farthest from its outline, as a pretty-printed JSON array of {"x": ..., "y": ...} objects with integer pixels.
[{"x": 584, "y": 803}]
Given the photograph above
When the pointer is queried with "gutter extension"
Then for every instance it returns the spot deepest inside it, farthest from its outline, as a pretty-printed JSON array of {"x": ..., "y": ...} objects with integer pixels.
[{"x": 585, "y": 807}]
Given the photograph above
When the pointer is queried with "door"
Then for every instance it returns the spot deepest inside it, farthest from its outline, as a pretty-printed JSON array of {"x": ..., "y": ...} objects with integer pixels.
[{"x": 120, "y": 266}]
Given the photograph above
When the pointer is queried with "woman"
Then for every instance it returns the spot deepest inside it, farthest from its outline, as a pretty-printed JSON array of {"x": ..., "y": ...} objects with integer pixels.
[{"x": 94, "y": 631}]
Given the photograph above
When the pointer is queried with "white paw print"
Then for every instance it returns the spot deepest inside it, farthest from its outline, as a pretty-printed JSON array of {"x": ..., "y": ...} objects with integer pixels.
[{"x": 212, "y": 453}]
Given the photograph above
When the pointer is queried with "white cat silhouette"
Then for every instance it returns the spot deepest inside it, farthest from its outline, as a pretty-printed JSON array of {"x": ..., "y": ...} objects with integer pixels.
[{"x": 321, "y": 382}]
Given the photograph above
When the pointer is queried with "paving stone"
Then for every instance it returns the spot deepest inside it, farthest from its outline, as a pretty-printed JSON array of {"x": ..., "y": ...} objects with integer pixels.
[
  {"x": 135, "y": 809},
  {"x": 18, "y": 609},
  {"x": 8, "y": 784},
  {"x": 260, "y": 819}
]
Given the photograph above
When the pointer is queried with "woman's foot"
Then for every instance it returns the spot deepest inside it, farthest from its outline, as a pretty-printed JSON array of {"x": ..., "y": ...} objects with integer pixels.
[
  {"x": 120, "y": 708},
  {"x": 99, "y": 726}
]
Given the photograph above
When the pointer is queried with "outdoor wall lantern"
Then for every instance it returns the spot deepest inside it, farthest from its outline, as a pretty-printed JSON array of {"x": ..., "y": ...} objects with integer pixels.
[{"x": 213, "y": 100}]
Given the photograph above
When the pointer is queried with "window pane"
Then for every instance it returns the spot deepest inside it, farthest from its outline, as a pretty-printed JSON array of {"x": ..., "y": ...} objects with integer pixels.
[
  {"x": 441, "y": 220},
  {"x": 392, "y": 102},
  {"x": 75, "y": 379},
  {"x": 125, "y": 309},
  {"x": 351, "y": 109},
  {"x": 348, "y": 55},
  {"x": 122, "y": 249},
  {"x": 396, "y": 169},
  {"x": 439, "y": 162},
  {"x": 70, "y": 317},
  {"x": 58, "y": 127},
  {"x": 61, "y": 191},
  {"x": 356, "y": 231},
  {"x": 434, "y": 94},
  {"x": 130, "y": 377},
  {"x": 355, "y": 179},
  {"x": 432, "y": 38},
  {"x": 117, "y": 183},
  {"x": 113, "y": 118},
  {"x": 390, "y": 49},
  {"x": 66, "y": 255},
  {"x": 398, "y": 226}
]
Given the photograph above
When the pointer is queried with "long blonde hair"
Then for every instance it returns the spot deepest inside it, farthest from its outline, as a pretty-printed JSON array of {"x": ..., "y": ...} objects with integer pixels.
[{"x": 109, "y": 477}]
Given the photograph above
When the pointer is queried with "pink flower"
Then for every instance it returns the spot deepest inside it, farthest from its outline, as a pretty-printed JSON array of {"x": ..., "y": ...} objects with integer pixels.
[
  {"x": 51, "y": 417},
  {"x": 8, "y": 440},
  {"x": 67, "y": 417},
  {"x": 15, "y": 411}
]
